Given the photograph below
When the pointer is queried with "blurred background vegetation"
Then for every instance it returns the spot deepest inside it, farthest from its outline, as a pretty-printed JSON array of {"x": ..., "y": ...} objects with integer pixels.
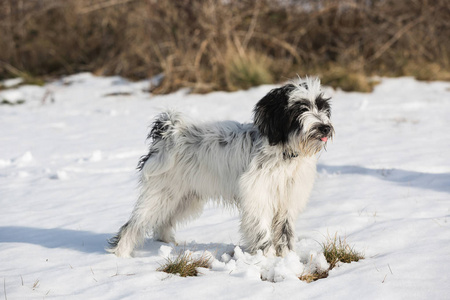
[{"x": 209, "y": 45}]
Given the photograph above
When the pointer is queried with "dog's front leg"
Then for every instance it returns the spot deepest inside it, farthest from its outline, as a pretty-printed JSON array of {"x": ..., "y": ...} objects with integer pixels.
[
  {"x": 283, "y": 233},
  {"x": 256, "y": 229}
]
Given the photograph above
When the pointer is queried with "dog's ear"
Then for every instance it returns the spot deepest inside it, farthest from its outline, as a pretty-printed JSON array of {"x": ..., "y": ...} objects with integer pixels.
[{"x": 271, "y": 115}]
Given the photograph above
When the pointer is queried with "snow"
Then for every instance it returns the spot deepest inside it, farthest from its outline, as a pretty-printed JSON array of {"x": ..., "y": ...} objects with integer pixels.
[
  {"x": 8, "y": 83},
  {"x": 68, "y": 182},
  {"x": 11, "y": 97}
]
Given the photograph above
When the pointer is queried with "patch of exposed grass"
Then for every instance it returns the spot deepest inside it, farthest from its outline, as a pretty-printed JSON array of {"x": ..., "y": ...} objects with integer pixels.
[
  {"x": 27, "y": 78},
  {"x": 185, "y": 265},
  {"x": 347, "y": 80},
  {"x": 7, "y": 102},
  {"x": 426, "y": 71},
  {"x": 308, "y": 277},
  {"x": 250, "y": 70},
  {"x": 338, "y": 250},
  {"x": 33, "y": 80},
  {"x": 335, "y": 250}
]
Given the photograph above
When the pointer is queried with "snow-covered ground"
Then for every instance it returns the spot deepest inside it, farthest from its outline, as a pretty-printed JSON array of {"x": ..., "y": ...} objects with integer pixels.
[{"x": 68, "y": 182}]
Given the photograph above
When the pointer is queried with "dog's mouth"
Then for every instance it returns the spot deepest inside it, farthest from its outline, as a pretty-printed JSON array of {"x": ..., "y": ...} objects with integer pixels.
[{"x": 323, "y": 132}]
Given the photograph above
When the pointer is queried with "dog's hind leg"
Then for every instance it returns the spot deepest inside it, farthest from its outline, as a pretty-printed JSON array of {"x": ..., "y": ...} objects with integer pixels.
[
  {"x": 153, "y": 208},
  {"x": 129, "y": 235},
  {"x": 189, "y": 206}
]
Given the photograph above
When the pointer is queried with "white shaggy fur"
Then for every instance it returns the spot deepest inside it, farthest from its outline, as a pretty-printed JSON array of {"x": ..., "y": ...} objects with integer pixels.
[{"x": 269, "y": 179}]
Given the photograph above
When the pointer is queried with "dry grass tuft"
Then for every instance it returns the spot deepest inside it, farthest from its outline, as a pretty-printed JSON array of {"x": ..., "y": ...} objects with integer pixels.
[
  {"x": 338, "y": 250},
  {"x": 426, "y": 71},
  {"x": 249, "y": 70},
  {"x": 185, "y": 265},
  {"x": 347, "y": 80},
  {"x": 335, "y": 250},
  {"x": 314, "y": 276}
]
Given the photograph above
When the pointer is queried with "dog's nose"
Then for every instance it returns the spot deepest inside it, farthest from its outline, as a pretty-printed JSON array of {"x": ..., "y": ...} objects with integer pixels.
[{"x": 324, "y": 129}]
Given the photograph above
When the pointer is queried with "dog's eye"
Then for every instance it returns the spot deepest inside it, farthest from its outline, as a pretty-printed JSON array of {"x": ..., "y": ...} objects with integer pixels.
[
  {"x": 323, "y": 104},
  {"x": 301, "y": 106}
]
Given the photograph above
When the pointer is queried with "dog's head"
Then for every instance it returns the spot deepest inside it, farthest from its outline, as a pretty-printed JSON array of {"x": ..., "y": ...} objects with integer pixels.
[{"x": 296, "y": 116}]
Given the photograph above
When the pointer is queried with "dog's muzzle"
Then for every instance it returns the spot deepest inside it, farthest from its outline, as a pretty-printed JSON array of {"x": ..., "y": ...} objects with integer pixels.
[{"x": 324, "y": 131}]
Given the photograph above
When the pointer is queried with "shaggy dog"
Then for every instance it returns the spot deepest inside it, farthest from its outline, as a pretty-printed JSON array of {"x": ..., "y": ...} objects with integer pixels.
[{"x": 265, "y": 168}]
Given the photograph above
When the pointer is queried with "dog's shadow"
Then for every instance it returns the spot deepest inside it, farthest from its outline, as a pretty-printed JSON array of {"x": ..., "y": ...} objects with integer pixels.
[
  {"x": 432, "y": 181},
  {"x": 79, "y": 240},
  {"x": 91, "y": 242}
]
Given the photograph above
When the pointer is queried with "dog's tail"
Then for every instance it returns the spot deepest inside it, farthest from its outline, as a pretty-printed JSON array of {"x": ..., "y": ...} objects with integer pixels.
[
  {"x": 165, "y": 125},
  {"x": 160, "y": 157}
]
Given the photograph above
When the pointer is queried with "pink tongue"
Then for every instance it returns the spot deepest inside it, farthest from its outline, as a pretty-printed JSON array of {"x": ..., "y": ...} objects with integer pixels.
[{"x": 324, "y": 139}]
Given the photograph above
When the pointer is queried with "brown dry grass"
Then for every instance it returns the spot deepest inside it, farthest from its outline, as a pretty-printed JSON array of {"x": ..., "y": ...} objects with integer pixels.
[
  {"x": 226, "y": 45},
  {"x": 185, "y": 265},
  {"x": 308, "y": 277},
  {"x": 336, "y": 250}
]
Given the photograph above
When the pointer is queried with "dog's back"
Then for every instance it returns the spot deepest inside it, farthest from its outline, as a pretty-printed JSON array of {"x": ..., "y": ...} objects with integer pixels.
[{"x": 189, "y": 153}]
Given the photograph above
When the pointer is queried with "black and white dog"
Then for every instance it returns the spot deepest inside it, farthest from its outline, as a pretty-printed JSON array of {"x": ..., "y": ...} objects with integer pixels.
[{"x": 265, "y": 168}]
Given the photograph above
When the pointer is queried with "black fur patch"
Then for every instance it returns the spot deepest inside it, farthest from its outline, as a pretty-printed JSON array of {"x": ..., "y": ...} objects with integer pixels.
[
  {"x": 323, "y": 104},
  {"x": 287, "y": 231},
  {"x": 159, "y": 126},
  {"x": 271, "y": 115}
]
